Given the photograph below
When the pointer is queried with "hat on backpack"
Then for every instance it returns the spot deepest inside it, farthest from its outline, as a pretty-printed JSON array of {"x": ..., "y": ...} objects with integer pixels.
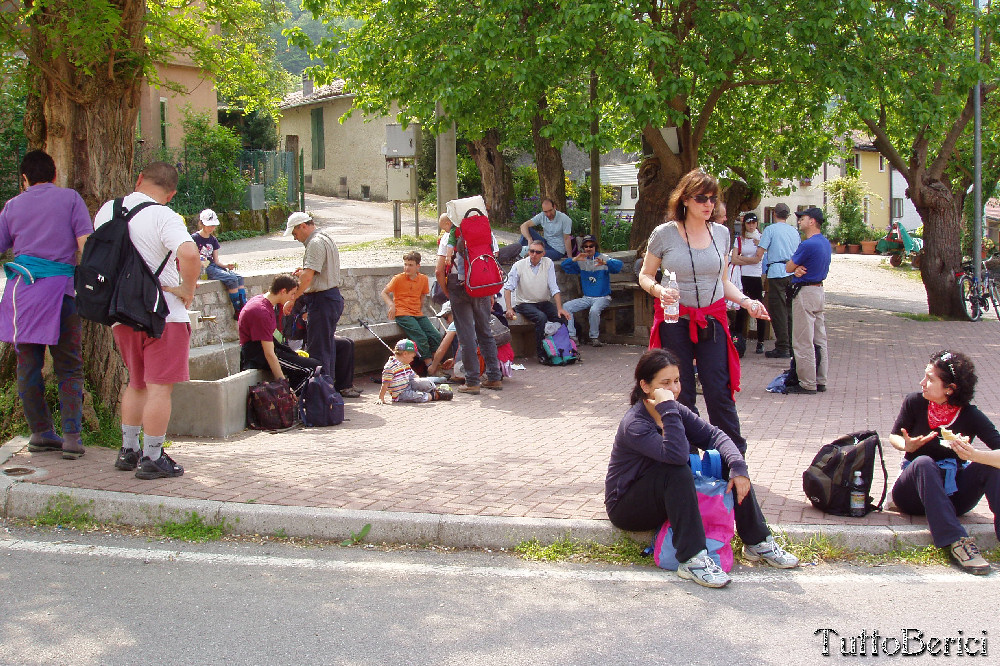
[
  {"x": 295, "y": 219},
  {"x": 209, "y": 218},
  {"x": 405, "y": 345}
]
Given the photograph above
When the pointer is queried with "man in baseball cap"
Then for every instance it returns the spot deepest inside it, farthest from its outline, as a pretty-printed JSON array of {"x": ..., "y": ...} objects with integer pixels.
[
  {"x": 319, "y": 288},
  {"x": 809, "y": 267}
]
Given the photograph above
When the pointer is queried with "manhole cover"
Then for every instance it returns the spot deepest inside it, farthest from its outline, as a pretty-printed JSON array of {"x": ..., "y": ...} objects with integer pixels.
[{"x": 18, "y": 471}]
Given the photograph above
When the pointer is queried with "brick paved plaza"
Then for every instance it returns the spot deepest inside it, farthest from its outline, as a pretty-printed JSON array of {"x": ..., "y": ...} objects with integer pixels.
[{"x": 540, "y": 447}]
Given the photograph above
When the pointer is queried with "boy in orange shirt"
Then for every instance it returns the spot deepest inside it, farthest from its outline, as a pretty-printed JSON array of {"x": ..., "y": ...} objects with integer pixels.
[{"x": 404, "y": 297}]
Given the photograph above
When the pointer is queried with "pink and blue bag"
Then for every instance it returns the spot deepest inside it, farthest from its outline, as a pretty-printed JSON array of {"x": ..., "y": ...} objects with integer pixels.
[{"x": 716, "y": 507}]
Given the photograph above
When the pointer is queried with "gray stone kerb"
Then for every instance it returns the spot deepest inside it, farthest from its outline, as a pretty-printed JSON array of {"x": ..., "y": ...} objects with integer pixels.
[{"x": 29, "y": 500}]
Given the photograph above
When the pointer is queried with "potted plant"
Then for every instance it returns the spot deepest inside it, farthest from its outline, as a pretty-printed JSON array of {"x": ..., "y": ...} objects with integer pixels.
[
  {"x": 847, "y": 194},
  {"x": 870, "y": 240}
]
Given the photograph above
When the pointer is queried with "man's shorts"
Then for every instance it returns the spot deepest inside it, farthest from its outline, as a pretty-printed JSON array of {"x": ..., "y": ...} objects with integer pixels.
[{"x": 150, "y": 360}]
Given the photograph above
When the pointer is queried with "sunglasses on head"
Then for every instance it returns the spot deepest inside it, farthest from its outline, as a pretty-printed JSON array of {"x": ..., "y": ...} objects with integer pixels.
[{"x": 704, "y": 198}]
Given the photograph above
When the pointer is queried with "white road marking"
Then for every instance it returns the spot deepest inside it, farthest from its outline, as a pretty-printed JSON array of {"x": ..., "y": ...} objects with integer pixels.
[{"x": 529, "y": 571}]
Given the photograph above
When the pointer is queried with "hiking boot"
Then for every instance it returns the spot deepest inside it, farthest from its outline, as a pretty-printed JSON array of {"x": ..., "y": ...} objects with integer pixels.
[
  {"x": 471, "y": 390},
  {"x": 493, "y": 384},
  {"x": 799, "y": 389},
  {"x": 703, "y": 570},
  {"x": 43, "y": 442},
  {"x": 774, "y": 353},
  {"x": 773, "y": 554},
  {"x": 821, "y": 388},
  {"x": 594, "y": 342},
  {"x": 350, "y": 392},
  {"x": 128, "y": 460},
  {"x": 72, "y": 447},
  {"x": 966, "y": 553},
  {"x": 161, "y": 468},
  {"x": 760, "y": 348}
]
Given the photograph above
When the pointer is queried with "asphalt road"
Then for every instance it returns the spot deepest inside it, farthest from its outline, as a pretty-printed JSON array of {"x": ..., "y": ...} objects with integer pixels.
[{"x": 107, "y": 599}]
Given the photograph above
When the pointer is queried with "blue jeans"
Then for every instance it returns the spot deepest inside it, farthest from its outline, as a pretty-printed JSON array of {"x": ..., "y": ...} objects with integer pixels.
[
  {"x": 324, "y": 308},
  {"x": 596, "y": 305},
  {"x": 230, "y": 279},
  {"x": 550, "y": 252}
]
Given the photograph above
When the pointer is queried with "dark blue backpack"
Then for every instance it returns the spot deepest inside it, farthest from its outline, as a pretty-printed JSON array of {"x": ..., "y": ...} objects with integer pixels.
[{"x": 319, "y": 403}]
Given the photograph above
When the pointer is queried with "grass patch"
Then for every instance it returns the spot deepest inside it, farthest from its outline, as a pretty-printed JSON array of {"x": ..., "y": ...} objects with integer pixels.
[
  {"x": 918, "y": 317},
  {"x": 423, "y": 242},
  {"x": 357, "y": 537},
  {"x": 921, "y": 555},
  {"x": 623, "y": 551},
  {"x": 237, "y": 234},
  {"x": 63, "y": 511},
  {"x": 193, "y": 529}
]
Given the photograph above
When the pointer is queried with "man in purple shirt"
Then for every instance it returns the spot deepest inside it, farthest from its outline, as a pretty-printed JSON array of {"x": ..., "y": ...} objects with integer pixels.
[{"x": 46, "y": 225}]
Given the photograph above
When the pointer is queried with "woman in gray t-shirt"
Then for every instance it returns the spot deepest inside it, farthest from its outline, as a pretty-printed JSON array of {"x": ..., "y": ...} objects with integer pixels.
[{"x": 694, "y": 248}]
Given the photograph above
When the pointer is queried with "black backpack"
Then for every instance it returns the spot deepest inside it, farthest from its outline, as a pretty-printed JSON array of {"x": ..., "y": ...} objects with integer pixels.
[
  {"x": 319, "y": 403},
  {"x": 113, "y": 282},
  {"x": 827, "y": 482}
]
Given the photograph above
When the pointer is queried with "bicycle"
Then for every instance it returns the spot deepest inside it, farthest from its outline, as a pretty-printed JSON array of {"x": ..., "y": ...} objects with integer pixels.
[{"x": 977, "y": 297}]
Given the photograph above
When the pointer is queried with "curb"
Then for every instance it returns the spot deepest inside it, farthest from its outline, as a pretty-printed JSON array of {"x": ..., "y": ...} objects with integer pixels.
[{"x": 19, "y": 499}]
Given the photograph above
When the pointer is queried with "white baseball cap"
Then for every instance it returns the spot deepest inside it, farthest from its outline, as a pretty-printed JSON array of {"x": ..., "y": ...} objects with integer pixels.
[
  {"x": 295, "y": 219},
  {"x": 209, "y": 218}
]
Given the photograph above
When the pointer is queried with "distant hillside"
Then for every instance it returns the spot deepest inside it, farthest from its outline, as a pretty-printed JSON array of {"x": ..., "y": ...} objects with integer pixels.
[{"x": 293, "y": 59}]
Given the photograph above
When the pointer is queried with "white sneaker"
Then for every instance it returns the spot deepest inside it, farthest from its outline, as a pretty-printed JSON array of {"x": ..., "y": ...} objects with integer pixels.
[
  {"x": 703, "y": 570},
  {"x": 769, "y": 551}
]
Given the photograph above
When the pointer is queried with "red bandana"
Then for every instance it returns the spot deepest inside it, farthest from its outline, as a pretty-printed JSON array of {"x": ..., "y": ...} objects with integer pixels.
[{"x": 941, "y": 415}]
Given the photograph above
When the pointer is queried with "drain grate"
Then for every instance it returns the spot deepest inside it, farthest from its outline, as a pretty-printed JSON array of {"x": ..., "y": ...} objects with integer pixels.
[{"x": 18, "y": 471}]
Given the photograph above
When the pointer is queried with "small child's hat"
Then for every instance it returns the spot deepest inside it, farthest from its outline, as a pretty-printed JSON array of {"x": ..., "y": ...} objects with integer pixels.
[
  {"x": 209, "y": 218},
  {"x": 406, "y": 345}
]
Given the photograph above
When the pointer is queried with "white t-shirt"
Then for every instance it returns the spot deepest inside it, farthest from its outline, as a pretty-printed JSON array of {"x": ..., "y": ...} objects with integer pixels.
[
  {"x": 748, "y": 249},
  {"x": 155, "y": 231}
]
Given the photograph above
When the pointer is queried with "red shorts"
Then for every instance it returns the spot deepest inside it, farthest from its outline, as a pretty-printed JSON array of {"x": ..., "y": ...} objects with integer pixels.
[{"x": 149, "y": 360}]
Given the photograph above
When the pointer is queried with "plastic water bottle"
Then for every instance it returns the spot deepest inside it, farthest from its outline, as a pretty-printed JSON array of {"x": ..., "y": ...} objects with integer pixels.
[
  {"x": 672, "y": 312},
  {"x": 857, "y": 496}
]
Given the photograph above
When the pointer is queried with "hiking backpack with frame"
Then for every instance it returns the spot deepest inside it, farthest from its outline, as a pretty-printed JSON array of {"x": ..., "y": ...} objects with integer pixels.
[
  {"x": 474, "y": 243},
  {"x": 114, "y": 285},
  {"x": 827, "y": 481}
]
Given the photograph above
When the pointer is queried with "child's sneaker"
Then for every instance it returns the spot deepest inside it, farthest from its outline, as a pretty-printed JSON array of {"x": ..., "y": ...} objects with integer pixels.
[
  {"x": 128, "y": 459},
  {"x": 769, "y": 551},
  {"x": 442, "y": 392},
  {"x": 161, "y": 468},
  {"x": 703, "y": 570}
]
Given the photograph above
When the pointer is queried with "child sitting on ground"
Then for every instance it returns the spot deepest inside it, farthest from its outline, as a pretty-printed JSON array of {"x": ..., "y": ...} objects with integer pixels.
[
  {"x": 402, "y": 384},
  {"x": 404, "y": 297},
  {"x": 208, "y": 248}
]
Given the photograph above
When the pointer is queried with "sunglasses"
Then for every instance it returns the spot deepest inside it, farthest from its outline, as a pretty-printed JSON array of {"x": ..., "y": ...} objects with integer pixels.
[
  {"x": 589, "y": 247},
  {"x": 704, "y": 198},
  {"x": 536, "y": 251}
]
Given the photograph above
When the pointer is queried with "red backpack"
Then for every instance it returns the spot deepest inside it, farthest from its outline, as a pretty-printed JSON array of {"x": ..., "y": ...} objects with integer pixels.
[{"x": 474, "y": 243}]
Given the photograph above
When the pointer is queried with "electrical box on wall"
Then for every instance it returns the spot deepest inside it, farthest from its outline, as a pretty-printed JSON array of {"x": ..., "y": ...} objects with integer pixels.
[
  {"x": 402, "y": 183},
  {"x": 401, "y": 142}
]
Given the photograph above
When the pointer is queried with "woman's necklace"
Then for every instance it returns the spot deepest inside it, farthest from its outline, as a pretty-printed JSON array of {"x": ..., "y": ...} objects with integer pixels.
[{"x": 694, "y": 274}]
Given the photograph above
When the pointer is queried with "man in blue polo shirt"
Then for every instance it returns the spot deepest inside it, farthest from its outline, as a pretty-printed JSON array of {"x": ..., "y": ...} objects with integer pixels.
[
  {"x": 809, "y": 266},
  {"x": 557, "y": 230},
  {"x": 779, "y": 241}
]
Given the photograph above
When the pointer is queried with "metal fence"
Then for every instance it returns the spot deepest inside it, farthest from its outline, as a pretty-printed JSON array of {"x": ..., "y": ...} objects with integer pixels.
[{"x": 256, "y": 179}]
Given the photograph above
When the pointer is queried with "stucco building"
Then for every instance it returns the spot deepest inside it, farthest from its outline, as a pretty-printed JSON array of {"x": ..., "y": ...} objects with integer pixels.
[{"x": 343, "y": 159}]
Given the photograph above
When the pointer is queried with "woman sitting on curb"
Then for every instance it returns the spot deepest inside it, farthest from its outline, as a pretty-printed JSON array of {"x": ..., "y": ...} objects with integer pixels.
[
  {"x": 943, "y": 475},
  {"x": 649, "y": 479}
]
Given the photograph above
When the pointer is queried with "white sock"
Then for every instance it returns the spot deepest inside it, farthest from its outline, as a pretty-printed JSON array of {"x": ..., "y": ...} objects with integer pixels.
[
  {"x": 130, "y": 437},
  {"x": 152, "y": 447}
]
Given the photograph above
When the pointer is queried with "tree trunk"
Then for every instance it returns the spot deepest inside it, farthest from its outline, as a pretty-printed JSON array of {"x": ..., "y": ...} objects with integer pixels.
[
  {"x": 737, "y": 198},
  {"x": 498, "y": 183},
  {"x": 941, "y": 212},
  {"x": 84, "y": 116},
  {"x": 548, "y": 160},
  {"x": 658, "y": 176}
]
